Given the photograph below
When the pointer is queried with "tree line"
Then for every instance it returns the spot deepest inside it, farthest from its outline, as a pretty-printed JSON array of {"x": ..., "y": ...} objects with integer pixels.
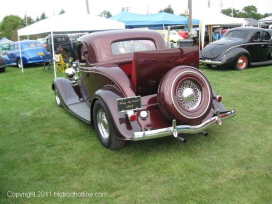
[
  {"x": 11, "y": 23},
  {"x": 247, "y": 12}
]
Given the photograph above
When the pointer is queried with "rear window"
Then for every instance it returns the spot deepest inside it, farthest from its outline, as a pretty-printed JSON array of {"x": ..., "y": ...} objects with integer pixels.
[
  {"x": 130, "y": 46},
  {"x": 61, "y": 39},
  {"x": 34, "y": 44}
]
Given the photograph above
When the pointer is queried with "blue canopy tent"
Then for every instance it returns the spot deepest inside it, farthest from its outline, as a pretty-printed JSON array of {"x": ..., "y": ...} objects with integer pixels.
[{"x": 151, "y": 21}]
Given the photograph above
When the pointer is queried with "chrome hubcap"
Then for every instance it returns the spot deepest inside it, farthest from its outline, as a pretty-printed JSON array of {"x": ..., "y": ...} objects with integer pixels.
[
  {"x": 189, "y": 95},
  {"x": 241, "y": 62},
  {"x": 102, "y": 124}
]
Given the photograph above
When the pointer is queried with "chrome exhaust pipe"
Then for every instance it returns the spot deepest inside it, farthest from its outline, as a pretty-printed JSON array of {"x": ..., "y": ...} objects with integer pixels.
[
  {"x": 203, "y": 133},
  {"x": 182, "y": 139}
]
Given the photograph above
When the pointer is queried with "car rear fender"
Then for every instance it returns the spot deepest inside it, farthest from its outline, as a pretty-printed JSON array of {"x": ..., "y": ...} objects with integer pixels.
[
  {"x": 109, "y": 95},
  {"x": 231, "y": 55}
]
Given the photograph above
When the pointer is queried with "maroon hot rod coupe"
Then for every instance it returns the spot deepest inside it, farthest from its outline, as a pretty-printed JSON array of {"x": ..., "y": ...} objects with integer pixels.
[{"x": 131, "y": 87}]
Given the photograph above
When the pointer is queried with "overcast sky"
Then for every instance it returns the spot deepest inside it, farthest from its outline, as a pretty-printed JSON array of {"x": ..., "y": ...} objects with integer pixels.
[{"x": 35, "y": 8}]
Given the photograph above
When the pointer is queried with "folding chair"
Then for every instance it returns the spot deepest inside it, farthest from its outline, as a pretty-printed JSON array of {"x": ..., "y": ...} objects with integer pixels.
[
  {"x": 47, "y": 63},
  {"x": 60, "y": 64}
]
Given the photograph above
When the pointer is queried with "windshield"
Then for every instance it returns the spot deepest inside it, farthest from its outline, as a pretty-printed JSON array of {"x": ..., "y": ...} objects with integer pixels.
[
  {"x": 234, "y": 34},
  {"x": 130, "y": 46}
]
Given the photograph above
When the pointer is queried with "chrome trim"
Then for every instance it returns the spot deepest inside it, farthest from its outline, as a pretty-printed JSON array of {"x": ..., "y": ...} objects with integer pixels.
[
  {"x": 189, "y": 95},
  {"x": 210, "y": 62},
  {"x": 183, "y": 129}
]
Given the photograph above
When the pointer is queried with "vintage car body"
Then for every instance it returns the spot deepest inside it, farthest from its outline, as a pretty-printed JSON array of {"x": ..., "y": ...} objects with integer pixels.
[
  {"x": 32, "y": 52},
  {"x": 239, "y": 48},
  {"x": 129, "y": 94},
  {"x": 3, "y": 64}
]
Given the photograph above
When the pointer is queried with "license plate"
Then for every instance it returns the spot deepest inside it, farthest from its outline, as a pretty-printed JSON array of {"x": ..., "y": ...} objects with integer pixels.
[
  {"x": 40, "y": 53},
  {"x": 131, "y": 103}
]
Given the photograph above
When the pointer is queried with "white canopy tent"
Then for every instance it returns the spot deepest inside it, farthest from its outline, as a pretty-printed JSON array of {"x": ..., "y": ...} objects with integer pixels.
[
  {"x": 267, "y": 20},
  {"x": 69, "y": 23},
  {"x": 210, "y": 18}
]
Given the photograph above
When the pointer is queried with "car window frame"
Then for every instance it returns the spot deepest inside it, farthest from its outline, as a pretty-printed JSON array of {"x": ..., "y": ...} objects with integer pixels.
[
  {"x": 256, "y": 37},
  {"x": 267, "y": 34},
  {"x": 118, "y": 47}
]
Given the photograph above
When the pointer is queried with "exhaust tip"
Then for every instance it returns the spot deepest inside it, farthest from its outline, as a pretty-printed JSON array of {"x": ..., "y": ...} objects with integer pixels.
[
  {"x": 182, "y": 139},
  {"x": 203, "y": 133}
]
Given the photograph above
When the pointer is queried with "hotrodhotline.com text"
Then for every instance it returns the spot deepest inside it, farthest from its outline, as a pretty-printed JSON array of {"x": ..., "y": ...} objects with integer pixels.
[{"x": 55, "y": 194}]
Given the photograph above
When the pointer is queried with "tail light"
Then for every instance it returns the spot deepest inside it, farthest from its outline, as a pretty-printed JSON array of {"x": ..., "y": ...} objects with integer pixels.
[{"x": 218, "y": 98}]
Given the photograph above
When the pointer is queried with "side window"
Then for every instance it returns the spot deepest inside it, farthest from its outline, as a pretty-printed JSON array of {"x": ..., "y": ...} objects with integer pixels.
[
  {"x": 11, "y": 47},
  {"x": 257, "y": 36},
  {"x": 16, "y": 47},
  {"x": 265, "y": 36},
  {"x": 80, "y": 54},
  {"x": 83, "y": 54}
]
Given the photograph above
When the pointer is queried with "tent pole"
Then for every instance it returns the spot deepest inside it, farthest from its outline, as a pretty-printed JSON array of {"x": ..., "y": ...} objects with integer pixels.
[
  {"x": 53, "y": 54},
  {"x": 190, "y": 19},
  {"x": 20, "y": 51}
]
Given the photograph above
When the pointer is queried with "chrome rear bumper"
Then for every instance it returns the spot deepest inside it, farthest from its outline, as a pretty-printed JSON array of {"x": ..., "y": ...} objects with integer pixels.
[
  {"x": 210, "y": 62},
  {"x": 183, "y": 129}
]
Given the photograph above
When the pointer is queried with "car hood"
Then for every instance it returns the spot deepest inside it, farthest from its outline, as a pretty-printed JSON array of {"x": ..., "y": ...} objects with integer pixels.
[{"x": 216, "y": 48}]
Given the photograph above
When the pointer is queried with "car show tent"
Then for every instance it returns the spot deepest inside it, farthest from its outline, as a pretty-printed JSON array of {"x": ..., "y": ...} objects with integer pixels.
[
  {"x": 210, "y": 18},
  {"x": 267, "y": 20},
  {"x": 152, "y": 21},
  {"x": 5, "y": 40},
  {"x": 69, "y": 23}
]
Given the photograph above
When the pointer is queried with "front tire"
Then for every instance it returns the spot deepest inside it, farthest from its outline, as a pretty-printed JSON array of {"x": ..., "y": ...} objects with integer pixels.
[
  {"x": 104, "y": 127},
  {"x": 242, "y": 62},
  {"x": 19, "y": 64}
]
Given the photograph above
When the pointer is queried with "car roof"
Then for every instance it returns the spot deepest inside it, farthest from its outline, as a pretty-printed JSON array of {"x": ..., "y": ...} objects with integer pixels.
[
  {"x": 248, "y": 32},
  {"x": 25, "y": 42},
  {"x": 100, "y": 42},
  {"x": 248, "y": 29}
]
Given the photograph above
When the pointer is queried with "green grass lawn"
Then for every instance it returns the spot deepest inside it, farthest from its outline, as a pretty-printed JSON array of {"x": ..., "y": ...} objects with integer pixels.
[{"x": 49, "y": 156}]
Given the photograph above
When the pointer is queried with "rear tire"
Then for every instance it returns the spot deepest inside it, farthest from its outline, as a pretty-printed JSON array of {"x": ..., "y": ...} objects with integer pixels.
[
  {"x": 242, "y": 62},
  {"x": 104, "y": 127}
]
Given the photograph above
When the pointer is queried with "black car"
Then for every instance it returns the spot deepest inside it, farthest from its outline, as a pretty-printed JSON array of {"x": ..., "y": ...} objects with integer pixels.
[
  {"x": 3, "y": 64},
  {"x": 61, "y": 40},
  {"x": 239, "y": 48}
]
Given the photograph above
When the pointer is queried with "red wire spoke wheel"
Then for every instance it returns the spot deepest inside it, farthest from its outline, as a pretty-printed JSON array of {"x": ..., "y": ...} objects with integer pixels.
[{"x": 185, "y": 94}]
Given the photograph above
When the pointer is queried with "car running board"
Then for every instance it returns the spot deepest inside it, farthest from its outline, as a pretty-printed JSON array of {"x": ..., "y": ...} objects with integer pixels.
[
  {"x": 81, "y": 110},
  {"x": 268, "y": 62}
]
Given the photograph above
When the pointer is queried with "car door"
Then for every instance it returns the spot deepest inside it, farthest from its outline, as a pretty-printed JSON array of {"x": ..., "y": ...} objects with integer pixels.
[
  {"x": 264, "y": 46},
  {"x": 253, "y": 47}
]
